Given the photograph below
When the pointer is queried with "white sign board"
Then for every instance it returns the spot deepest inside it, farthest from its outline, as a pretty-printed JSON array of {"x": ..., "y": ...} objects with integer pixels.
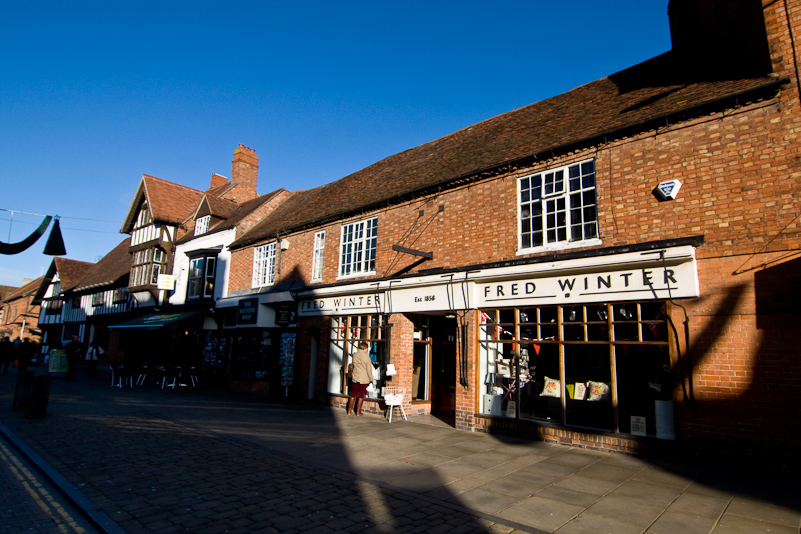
[
  {"x": 677, "y": 281},
  {"x": 648, "y": 275},
  {"x": 166, "y": 281}
]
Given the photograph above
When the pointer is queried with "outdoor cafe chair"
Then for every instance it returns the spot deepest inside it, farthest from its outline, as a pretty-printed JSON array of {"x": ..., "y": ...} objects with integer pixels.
[
  {"x": 140, "y": 380},
  {"x": 171, "y": 376},
  {"x": 124, "y": 376}
]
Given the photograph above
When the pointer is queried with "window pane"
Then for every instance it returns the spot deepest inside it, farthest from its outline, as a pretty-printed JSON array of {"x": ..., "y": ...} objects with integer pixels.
[
  {"x": 644, "y": 387},
  {"x": 588, "y": 366},
  {"x": 575, "y": 178},
  {"x": 539, "y": 364}
]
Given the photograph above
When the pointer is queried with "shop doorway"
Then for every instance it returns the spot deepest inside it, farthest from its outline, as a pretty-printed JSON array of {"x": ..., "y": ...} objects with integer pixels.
[{"x": 442, "y": 335}]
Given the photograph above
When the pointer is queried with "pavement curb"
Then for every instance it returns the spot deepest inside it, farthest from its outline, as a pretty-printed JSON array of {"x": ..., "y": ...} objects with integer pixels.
[{"x": 70, "y": 492}]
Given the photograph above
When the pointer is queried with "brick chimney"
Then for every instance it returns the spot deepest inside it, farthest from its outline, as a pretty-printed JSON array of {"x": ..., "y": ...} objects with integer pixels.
[
  {"x": 720, "y": 38},
  {"x": 217, "y": 180},
  {"x": 245, "y": 173}
]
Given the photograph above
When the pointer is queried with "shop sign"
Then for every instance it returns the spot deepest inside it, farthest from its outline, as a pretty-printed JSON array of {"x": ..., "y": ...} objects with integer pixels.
[
  {"x": 341, "y": 305},
  {"x": 677, "y": 281},
  {"x": 247, "y": 311},
  {"x": 285, "y": 314},
  {"x": 166, "y": 281},
  {"x": 433, "y": 298}
]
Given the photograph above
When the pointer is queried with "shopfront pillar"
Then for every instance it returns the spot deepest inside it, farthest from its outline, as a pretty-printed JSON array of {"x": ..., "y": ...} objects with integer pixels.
[
  {"x": 402, "y": 353},
  {"x": 466, "y": 372}
]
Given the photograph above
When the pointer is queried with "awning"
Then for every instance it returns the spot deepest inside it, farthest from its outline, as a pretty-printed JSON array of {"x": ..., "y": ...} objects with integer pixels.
[{"x": 156, "y": 320}]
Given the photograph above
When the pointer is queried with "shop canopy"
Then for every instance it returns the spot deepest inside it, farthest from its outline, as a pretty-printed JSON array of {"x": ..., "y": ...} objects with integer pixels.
[{"x": 156, "y": 320}]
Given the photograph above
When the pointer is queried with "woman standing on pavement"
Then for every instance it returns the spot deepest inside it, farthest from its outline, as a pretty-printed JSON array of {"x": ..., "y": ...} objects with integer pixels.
[{"x": 361, "y": 374}]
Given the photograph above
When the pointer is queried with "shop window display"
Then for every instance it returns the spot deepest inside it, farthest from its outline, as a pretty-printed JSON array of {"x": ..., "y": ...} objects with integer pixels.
[
  {"x": 346, "y": 332},
  {"x": 598, "y": 366},
  {"x": 254, "y": 357}
]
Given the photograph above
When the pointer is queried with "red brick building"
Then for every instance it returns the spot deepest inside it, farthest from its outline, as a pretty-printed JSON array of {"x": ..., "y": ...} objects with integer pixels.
[
  {"x": 613, "y": 267},
  {"x": 19, "y": 313}
]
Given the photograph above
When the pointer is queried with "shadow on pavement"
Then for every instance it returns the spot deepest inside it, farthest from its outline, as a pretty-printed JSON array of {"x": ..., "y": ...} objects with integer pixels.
[
  {"x": 203, "y": 460},
  {"x": 197, "y": 460}
]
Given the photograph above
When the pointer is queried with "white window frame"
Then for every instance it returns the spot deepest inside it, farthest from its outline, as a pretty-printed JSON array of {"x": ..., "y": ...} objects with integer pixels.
[
  {"x": 357, "y": 249},
  {"x": 205, "y": 273},
  {"x": 202, "y": 225},
  {"x": 317, "y": 257},
  {"x": 559, "y": 198},
  {"x": 264, "y": 265}
]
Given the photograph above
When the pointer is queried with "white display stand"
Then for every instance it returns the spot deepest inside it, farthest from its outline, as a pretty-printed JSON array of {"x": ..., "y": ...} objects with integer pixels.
[{"x": 393, "y": 396}]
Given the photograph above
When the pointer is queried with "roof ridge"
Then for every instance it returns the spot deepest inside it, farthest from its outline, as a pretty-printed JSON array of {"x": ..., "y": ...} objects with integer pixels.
[{"x": 172, "y": 183}]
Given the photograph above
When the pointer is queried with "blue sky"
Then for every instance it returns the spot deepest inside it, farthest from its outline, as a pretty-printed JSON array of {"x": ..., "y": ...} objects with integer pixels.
[{"x": 95, "y": 94}]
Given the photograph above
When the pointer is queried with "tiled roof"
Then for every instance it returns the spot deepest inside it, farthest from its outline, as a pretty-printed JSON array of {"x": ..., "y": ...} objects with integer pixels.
[
  {"x": 70, "y": 272},
  {"x": 28, "y": 288},
  {"x": 221, "y": 207},
  {"x": 113, "y": 267},
  {"x": 246, "y": 208},
  {"x": 170, "y": 202},
  {"x": 219, "y": 191},
  {"x": 5, "y": 291},
  {"x": 631, "y": 100}
]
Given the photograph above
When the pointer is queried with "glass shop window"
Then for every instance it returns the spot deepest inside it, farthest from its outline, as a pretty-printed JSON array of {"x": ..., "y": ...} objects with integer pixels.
[
  {"x": 346, "y": 332},
  {"x": 599, "y": 366}
]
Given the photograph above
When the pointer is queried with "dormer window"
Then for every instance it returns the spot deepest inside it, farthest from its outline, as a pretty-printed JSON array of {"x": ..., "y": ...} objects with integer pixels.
[{"x": 202, "y": 225}]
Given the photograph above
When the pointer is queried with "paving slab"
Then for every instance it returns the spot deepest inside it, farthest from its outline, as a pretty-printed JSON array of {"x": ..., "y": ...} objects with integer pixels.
[
  {"x": 596, "y": 486},
  {"x": 631, "y": 511},
  {"x": 673, "y": 522},
  {"x": 645, "y": 491},
  {"x": 484, "y": 500},
  {"x": 541, "y": 513},
  {"x": 588, "y": 523},
  {"x": 764, "y": 511},
  {"x": 579, "y": 498},
  {"x": 700, "y": 505},
  {"x": 746, "y": 525}
]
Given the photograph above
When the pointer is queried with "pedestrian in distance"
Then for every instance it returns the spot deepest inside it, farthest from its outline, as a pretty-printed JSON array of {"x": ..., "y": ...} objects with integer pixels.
[
  {"x": 73, "y": 351},
  {"x": 92, "y": 358},
  {"x": 7, "y": 353},
  {"x": 361, "y": 373},
  {"x": 24, "y": 355}
]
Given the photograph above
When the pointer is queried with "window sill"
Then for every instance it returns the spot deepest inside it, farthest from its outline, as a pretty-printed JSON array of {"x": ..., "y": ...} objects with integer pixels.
[
  {"x": 262, "y": 287},
  {"x": 559, "y": 246},
  {"x": 356, "y": 275}
]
